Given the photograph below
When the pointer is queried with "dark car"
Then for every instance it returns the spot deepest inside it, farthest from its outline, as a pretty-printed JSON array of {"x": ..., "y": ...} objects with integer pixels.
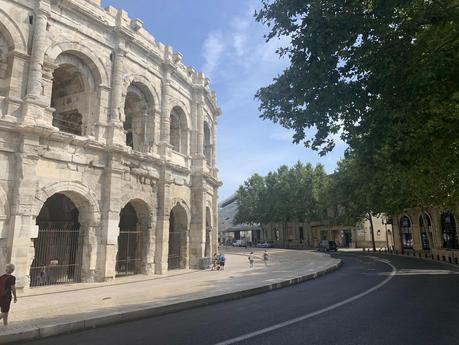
[{"x": 326, "y": 246}]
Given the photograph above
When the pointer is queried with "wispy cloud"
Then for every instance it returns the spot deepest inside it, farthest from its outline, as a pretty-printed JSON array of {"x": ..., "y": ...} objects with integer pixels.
[
  {"x": 244, "y": 62},
  {"x": 212, "y": 51}
]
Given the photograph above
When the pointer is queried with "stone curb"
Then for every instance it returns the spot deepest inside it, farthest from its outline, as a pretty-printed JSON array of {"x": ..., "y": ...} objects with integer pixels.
[
  {"x": 119, "y": 317},
  {"x": 421, "y": 258}
]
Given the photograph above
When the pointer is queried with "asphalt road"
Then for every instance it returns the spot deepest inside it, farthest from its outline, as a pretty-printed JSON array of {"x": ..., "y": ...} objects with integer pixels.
[{"x": 367, "y": 301}]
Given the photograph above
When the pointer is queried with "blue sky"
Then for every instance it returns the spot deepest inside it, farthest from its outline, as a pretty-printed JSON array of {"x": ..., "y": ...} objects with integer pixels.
[{"x": 221, "y": 38}]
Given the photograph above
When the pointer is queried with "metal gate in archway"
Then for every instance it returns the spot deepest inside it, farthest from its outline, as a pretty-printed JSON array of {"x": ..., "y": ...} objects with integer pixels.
[
  {"x": 128, "y": 259},
  {"x": 55, "y": 262},
  {"x": 57, "y": 248}
]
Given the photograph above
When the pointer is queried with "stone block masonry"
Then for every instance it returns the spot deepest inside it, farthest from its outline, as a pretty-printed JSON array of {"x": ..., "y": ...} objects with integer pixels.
[{"x": 107, "y": 147}]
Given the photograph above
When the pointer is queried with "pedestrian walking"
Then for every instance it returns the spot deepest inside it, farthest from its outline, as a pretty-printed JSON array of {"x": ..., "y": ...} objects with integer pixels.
[
  {"x": 7, "y": 291},
  {"x": 221, "y": 261},
  {"x": 251, "y": 259},
  {"x": 265, "y": 257}
]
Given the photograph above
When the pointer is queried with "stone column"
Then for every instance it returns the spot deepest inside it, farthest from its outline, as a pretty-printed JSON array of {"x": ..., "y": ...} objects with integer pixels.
[
  {"x": 34, "y": 86},
  {"x": 214, "y": 145},
  {"x": 35, "y": 105},
  {"x": 165, "y": 114},
  {"x": 116, "y": 134},
  {"x": 22, "y": 227},
  {"x": 162, "y": 225},
  {"x": 200, "y": 128}
]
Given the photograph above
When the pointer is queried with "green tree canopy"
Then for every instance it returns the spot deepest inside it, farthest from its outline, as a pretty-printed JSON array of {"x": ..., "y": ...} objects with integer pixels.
[
  {"x": 284, "y": 195},
  {"x": 382, "y": 73}
]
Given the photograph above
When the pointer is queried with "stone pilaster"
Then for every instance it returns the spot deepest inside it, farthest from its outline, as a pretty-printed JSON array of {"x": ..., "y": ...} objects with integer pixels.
[
  {"x": 198, "y": 221},
  {"x": 165, "y": 98},
  {"x": 23, "y": 228},
  {"x": 200, "y": 127},
  {"x": 214, "y": 237},
  {"x": 162, "y": 225},
  {"x": 110, "y": 219}
]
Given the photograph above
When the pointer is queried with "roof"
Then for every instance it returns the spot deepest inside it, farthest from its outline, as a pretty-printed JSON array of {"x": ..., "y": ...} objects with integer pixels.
[{"x": 227, "y": 212}]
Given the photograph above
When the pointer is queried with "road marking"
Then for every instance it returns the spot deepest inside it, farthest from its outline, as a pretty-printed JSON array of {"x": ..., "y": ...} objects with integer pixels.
[{"x": 315, "y": 313}]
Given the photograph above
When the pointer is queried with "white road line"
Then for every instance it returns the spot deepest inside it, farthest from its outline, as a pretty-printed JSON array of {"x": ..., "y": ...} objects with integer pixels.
[{"x": 315, "y": 313}]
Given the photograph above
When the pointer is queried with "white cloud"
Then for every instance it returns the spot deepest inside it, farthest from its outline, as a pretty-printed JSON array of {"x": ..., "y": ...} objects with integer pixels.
[{"x": 212, "y": 51}]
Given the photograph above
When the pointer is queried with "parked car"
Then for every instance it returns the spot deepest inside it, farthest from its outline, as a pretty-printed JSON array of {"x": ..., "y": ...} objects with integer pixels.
[
  {"x": 237, "y": 243},
  {"x": 264, "y": 245},
  {"x": 326, "y": 246}
]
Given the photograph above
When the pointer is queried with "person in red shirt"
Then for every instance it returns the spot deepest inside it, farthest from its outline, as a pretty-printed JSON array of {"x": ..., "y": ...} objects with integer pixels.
[{"x": 8, "y": 288}]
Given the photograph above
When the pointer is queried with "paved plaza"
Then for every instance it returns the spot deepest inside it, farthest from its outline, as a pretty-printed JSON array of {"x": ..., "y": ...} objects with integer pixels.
[{"x": 46, "y": 310}]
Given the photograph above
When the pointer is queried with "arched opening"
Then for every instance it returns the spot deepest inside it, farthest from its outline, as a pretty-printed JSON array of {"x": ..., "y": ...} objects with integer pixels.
[
  {"x": 207, "y": 144},
  {"x": 137, "y": 109},
  {"x": 129, "y": 256},
  {"x": 207, "y": 251},
  {"x": 405, "y": 233},
  {"x": 74, "y": 95},
  {"x": 425, "y": 226},
  {"x": 178, "y": 131},
  {"x": 178, "y": 238},
  {"x": 5, "y": 70},
  {"x": 58, "y": 249},
  {"x": 449, "y": 231}
]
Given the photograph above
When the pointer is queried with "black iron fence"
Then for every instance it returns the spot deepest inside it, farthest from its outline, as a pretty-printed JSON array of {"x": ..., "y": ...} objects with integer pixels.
[
  {"x": 129, "y": 258},
  {"x": 57, "y": 257}
]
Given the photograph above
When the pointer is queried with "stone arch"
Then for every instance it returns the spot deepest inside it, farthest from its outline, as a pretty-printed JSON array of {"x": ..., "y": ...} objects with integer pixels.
[
  {"x": 75, "y": 93},
  {"x": 85, "y": 54},
  {"x": 148, "y": 88},
  {"x": 179, "y": 225},
  {"x": 12, "y": 32},
  {"x": 81, "y": 195},
  {"x": 425, "y": 230},
  {"x": 135, "y": 238},
  {"x": 406, "y": 231},
  {"x": 140, "y": 109},
  {"x": 175, "y": 103},
  {"x": 449, "y": 230},
  {"x": 88, "y": 218},
  {"x": 179, "y": 130},
  {"x": 10, "y": 40},
  {"x": 184, "y": 204}
]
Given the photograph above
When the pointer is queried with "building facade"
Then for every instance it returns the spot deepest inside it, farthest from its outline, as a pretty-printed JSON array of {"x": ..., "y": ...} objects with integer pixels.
[
  {"x": 431, "y": 233},
  {"x": 298, "y": 235},
  {"x": 229, "y": 231},
  {"x": 107, "y": 147}
]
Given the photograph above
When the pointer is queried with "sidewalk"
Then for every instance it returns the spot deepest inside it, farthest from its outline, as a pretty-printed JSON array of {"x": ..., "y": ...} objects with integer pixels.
[{"x": 47, "y": 311}]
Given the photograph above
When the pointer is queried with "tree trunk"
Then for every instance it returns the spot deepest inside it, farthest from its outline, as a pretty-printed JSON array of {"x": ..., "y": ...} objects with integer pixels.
[{"x": 372, "y": 232}]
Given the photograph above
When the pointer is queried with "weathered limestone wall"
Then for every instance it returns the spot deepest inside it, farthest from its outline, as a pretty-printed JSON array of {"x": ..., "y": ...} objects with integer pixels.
[{"x": 94, "y": 58}]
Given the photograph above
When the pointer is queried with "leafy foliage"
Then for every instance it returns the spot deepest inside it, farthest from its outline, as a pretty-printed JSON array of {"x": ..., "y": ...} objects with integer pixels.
[
  {"x": 284, "y": 195},
  {"x": 385, "y": 75}
]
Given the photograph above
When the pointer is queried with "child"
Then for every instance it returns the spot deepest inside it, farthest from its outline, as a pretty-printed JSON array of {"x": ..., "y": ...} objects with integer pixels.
[
  {"x": 251, "y": 259},
  {"x": 265, "y": 258},
  {"x": 221, "y": 261}
]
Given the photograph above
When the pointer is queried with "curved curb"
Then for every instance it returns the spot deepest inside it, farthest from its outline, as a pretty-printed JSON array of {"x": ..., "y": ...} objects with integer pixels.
[{"x": 114, "y": 318}]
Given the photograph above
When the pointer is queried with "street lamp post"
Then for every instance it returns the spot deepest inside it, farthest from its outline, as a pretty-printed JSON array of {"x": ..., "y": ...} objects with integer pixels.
[{"x": 386, "y": 220}]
